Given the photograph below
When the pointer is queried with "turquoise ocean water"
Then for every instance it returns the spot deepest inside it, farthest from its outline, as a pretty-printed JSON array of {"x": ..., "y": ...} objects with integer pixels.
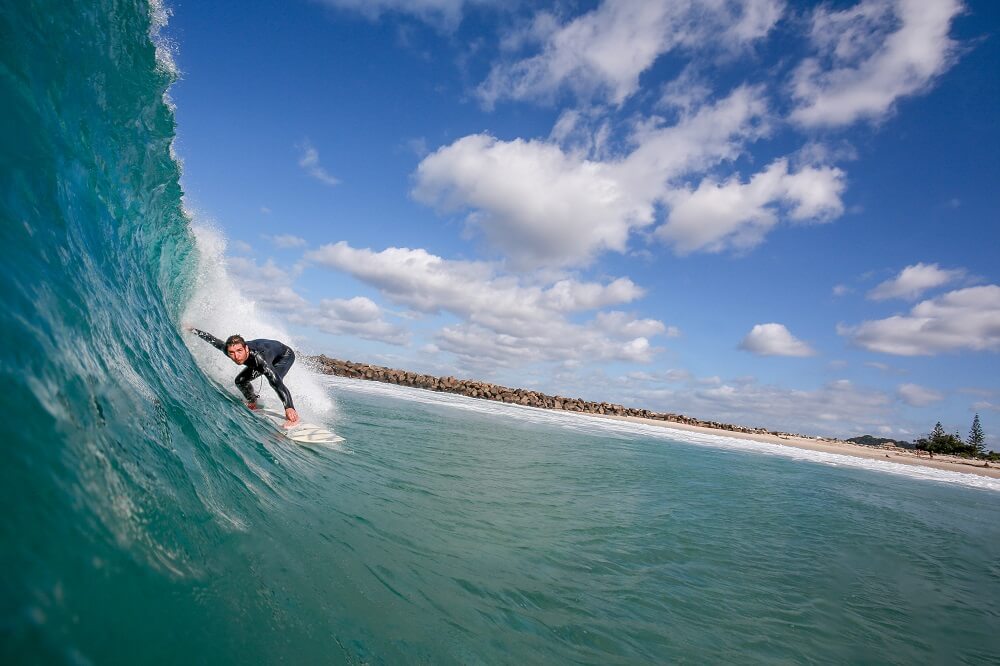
[{"x": 147, "y": 518}]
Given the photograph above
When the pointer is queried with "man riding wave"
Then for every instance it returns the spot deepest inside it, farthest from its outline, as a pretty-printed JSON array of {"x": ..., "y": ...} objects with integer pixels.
[{"x": 270, "y": 358}]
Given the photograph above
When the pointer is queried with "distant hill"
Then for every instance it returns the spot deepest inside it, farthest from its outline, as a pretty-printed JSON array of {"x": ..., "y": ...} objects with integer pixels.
[{"x": 869, "y": 440}]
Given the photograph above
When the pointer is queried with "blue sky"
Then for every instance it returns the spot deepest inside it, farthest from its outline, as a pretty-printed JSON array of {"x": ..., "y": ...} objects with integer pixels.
[{"x": 763, "y": 212}]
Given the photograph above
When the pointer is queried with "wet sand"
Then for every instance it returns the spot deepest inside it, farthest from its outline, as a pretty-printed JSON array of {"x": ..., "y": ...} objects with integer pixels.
[{"x": 896, "y": 455}]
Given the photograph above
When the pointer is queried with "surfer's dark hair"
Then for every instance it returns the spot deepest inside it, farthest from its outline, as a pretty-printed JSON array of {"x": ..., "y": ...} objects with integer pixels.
[{"x": 235, "y": 339}]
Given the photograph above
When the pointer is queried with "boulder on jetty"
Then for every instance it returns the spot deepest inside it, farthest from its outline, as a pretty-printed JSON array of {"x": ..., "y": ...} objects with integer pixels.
[{"x": 527, "y": 398}]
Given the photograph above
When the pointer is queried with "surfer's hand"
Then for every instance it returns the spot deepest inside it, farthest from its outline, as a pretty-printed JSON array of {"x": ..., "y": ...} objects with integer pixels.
[
  {"x": 187, "y": 327},
  {"x": 292, "y": 416},
  {"x": 252, "y": 406}
]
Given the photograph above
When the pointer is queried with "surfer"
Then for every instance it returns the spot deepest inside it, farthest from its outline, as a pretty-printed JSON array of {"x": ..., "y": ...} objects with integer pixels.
[{"x": 270, "y": 358}]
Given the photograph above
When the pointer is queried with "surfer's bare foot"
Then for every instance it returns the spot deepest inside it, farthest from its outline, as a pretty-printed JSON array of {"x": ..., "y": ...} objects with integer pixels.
[{"x": 252, "y": 406}]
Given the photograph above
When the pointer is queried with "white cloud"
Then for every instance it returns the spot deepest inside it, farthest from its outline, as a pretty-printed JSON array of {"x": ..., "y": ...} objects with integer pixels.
[
  {"x": 269, "y": 285},
  {"x": 541, "y": 205},
  {"x": 755, "y": 20},
  {"x": 841, "y": 289},
  {"x": 918, "y": 396},
  {"x": 869, "y": 56},
  {"x": 672, "y": 376},
  {"x": 358, "y": 310},
  {"x": 242, "y": 247},
  {"x": 358, "y": 316},
  {"x": 309, "y": 161},
  {"x": 738, "y": 215},
  {"x": 913, "y": 281},
  {"x": 505, "y": 319},
  {"x": 703, "y": 138},
  {"x": 774, "y": 340},
  {"x": 603, "y": 52},
  {"x": 531, "y": 200},
  {"x": 286, "y": 241},
  {"x": 627, "y": 326},
  {"x": 964, "y": 319},
  {"x": 442, "y": 13},
  {"x": 838, "y": 408}
]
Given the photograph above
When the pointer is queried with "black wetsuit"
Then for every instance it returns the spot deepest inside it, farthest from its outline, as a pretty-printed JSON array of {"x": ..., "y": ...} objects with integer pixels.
[{"x": 267, "y": 357}]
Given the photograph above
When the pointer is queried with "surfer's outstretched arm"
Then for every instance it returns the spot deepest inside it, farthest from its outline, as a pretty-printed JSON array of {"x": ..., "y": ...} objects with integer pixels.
[{"x": 209, "y": 338}]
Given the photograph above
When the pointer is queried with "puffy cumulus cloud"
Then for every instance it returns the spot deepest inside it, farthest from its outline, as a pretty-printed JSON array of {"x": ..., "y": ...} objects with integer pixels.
[
  {"x": 358, "y": 310},
  {"x": 603, "y": 52},
  {"x": 487, "y": 348},
  {"x": 918, "y": 396},
  {"x": 774, "y": 340},
  {"x": 532, "y": 201},
  {"x": 428, "y": 283},
  {"x": 914, "y": 280},
  {"x": 309, "y": 161},
  {"x": 627, "y": 326},
  {"x": 541, "y": 205},
  {"x": 358, "y": 316},
  {"x": 964, "y": 319},
  {"x": 702, "y": 138},
  {"x": 268, "y": 285},
  {"x": 737, "y": 215},
  {"x": 504, "y": 319},
  {"x": 870, "y": 55}
]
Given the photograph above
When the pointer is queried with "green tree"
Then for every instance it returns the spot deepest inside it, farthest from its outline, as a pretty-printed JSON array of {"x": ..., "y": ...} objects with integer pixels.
[
  {"x": 977, "y": 440},
  {"x": 941, "y": 442}
]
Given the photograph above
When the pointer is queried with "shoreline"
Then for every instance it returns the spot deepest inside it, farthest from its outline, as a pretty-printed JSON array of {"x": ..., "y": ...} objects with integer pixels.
[
  {"x": 836, "y": 446},
  {"x": 528, "y": 398}
]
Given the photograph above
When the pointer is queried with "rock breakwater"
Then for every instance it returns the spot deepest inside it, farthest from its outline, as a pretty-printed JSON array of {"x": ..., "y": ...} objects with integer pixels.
[{"x": 516, "y": 396}]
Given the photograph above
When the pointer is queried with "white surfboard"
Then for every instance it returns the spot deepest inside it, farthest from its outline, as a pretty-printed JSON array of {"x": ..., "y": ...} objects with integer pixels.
[{"x": 303, "y": 433}]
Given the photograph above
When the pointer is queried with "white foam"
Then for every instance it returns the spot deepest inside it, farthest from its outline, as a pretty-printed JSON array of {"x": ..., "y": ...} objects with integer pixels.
[
  {"x": 597, "y": 426},
  {"x": 159, "y": 16},
  {"x": 220, "y": 308}
]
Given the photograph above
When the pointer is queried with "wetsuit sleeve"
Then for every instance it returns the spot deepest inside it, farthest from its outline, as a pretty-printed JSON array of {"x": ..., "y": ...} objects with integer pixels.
[
  {"x": 274, "y": 380},
  {"x": 210, "y": 339}
]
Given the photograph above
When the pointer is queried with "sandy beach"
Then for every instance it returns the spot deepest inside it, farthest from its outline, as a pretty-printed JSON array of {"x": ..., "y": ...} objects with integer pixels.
[{"x": 896, "y": 455}]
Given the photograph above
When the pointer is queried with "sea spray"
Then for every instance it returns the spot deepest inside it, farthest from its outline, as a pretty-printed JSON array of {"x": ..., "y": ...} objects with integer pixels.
[{"x": 219, "y": 306}]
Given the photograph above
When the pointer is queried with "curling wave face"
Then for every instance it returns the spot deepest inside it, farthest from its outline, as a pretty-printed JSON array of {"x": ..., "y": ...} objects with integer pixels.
[{"x": 126, "y": 474}]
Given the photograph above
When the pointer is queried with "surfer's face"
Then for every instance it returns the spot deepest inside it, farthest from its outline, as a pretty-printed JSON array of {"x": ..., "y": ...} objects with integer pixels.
[{"x": 238, "y": 353}]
